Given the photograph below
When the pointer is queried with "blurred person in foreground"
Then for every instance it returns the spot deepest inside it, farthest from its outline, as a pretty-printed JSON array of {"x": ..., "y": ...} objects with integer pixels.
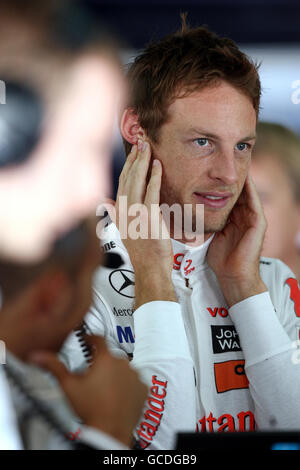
[
  {"x": 211, "y": 324},
  {"x": 55, "y": 176},
  {"x": 42, "y": 303},
  {"x": 275, "y": 169},
  {"x": 73, "y": 78}
]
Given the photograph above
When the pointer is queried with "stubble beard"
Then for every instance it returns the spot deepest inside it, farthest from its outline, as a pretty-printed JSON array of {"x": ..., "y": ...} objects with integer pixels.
[
  {"x": 209, "y": 226},
  {"x": 218, "y": 226}
]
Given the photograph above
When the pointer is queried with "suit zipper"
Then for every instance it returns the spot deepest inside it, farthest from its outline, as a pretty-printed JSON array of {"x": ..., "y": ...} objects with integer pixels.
[{"x": 196, "y": 350}]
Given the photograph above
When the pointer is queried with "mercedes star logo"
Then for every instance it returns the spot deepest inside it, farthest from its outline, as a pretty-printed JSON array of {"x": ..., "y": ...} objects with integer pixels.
[{"x": 121, "y": 281}]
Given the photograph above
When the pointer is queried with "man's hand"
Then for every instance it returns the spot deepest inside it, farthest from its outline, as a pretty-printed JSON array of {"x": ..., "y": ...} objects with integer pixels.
[
  {"x": 235, "y": 251},
  {"x": 109, "y": 396},
  {"x": 151, "y": 257}
]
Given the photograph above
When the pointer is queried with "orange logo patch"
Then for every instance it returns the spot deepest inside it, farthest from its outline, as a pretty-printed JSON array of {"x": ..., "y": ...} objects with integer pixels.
[{"x": 230, "y": 375}]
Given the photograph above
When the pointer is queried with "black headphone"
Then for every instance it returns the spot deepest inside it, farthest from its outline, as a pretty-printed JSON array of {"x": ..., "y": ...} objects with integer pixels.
[
  {"x": 22, "y": 111},
  {"x": 21, "y": 114}
]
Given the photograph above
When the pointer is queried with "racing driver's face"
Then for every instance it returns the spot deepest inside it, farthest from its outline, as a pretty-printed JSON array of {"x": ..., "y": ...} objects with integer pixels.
[{"x": 205, "y": 150}]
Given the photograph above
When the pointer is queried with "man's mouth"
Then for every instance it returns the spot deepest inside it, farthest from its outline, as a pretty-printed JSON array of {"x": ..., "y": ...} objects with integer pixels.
[{"x": 216, "y": 200}]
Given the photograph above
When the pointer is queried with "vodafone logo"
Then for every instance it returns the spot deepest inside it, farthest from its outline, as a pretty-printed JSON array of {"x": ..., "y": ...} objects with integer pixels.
[{"x": 221, "y": 311}]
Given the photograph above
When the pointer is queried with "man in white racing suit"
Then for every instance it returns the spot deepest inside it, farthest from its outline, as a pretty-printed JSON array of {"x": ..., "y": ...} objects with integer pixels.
[
  {"x": 193, "y": 356},
  {"x": 212, "y": 328}
]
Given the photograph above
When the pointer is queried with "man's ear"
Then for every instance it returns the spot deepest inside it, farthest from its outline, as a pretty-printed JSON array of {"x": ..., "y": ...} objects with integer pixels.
[
  {"x": 130, "y": 127},
  {"x": 53, "y": 294}
]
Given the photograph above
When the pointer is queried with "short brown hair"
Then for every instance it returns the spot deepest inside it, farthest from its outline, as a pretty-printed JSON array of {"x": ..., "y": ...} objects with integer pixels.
[
  {"x": 185, "y": 61},
  {"x": 283, "y": 144}
]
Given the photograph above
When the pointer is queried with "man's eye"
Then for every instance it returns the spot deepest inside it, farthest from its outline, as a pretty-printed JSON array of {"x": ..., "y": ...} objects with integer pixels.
[
  {"x": 201, "y": 142},
  {"x": 243, "y": 146}
]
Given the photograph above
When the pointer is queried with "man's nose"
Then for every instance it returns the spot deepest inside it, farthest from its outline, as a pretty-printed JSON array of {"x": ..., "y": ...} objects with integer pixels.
[{"x": 224, "y": 168}]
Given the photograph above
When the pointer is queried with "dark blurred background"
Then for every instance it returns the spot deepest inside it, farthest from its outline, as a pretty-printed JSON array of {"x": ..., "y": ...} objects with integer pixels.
[
  {"x": 245, "y": 21},
  {"x": 267, "y": 30}
]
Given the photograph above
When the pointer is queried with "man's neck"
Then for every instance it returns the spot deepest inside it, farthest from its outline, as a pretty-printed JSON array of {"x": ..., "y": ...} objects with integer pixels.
[{"x": 293, "y": 262}]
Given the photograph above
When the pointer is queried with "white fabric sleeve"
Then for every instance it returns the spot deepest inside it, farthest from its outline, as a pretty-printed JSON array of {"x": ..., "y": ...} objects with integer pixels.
[
  {"x": 266, "y": 338},
  {"x": 9, "y": 435},
  {"x": 162, "y": 357},
  {"x": 261, "y": 333},
  {"x": 100, "y": 440}
]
